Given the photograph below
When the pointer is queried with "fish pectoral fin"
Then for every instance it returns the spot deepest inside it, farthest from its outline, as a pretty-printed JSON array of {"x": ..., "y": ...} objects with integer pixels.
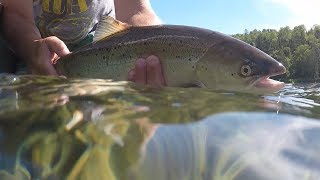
[{"x": 108, "y": 26}]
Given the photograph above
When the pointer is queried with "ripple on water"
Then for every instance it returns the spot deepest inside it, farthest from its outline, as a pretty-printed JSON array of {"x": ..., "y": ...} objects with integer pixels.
[{"x": 55, "y": 127}]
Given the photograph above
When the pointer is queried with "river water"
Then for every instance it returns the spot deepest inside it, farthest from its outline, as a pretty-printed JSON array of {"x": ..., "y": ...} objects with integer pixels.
[{"x": 55, "y": 128}]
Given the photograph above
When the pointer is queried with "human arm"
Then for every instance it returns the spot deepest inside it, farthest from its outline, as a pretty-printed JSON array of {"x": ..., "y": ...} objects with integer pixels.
[
  {"x": 24, "y": 38},
  {"x": 136, "y": 12}
]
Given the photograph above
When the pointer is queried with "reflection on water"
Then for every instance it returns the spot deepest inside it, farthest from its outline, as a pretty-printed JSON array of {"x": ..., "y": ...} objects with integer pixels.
[
  {"x": 55, "y": 128},
  {"x": 235, "y": 146}
]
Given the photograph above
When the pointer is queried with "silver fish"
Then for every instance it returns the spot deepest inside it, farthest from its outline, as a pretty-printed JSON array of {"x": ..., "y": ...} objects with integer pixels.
[{"x": 188, "y": 55}]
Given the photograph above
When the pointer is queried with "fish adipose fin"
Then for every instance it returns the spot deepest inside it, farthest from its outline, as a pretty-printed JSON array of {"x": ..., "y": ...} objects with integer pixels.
[{"x": 108, "y": 26}]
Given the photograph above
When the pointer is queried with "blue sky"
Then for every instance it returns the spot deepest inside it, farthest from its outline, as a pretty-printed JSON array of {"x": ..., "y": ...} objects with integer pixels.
[{"x": 234, "y": 16}]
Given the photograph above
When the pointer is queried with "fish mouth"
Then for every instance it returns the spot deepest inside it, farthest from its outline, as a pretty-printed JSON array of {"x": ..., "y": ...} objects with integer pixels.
[{"x": 266, "y": 83}]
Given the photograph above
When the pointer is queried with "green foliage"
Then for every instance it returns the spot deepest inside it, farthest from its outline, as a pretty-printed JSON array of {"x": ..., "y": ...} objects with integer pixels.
[
  {"x": 298, "y": 49},
  {"x": 284, "y": 37}
]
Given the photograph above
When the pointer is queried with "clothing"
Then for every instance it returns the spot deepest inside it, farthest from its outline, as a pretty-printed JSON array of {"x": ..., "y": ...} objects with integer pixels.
[
  {"x": 70, "y": 20},
  {"x": 73, "y": 21}
]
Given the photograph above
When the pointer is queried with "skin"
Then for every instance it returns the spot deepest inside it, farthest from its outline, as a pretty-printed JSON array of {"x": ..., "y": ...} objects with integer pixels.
[
  {"x": 1, "y": 6},
  {"x": 39, "y": 52}
]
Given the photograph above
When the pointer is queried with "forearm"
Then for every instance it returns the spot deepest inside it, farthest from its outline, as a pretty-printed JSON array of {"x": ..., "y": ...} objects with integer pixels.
[
  {"x": 19, "y": 28},
  {"x": 136, "y": 12},
  {"x": 20, "y": 34}
]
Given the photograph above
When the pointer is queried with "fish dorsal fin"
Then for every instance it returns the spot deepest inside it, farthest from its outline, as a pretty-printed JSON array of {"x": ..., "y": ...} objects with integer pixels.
[{"x": 108, "y": 26}]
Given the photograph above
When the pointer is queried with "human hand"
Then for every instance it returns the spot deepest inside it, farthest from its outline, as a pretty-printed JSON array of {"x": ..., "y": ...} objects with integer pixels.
[
  {"x": 148, "y": 71},
  {"x": 46, "y": 51}
]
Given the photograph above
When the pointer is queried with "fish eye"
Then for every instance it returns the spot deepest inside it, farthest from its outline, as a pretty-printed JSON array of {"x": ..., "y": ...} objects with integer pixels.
[{"x": 246, "y": 70}]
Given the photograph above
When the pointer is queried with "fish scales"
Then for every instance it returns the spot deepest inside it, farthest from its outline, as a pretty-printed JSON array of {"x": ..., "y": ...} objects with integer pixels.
[
  {"x": 188, "y": 56},
  {"x": 178, "y": 50}
]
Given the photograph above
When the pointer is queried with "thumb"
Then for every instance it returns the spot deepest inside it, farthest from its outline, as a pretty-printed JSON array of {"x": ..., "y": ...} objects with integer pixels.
[{"x": 56, "y": 45}]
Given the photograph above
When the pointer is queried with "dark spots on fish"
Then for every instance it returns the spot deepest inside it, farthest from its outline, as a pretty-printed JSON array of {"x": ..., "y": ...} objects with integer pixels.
[
  {"x": 190, "y": 59},
  {"x": 180, "y": 41},
  {"x": 112, "y": 54},
  {"x": 178, "y": 56},
  {"x": 130, "y": 57},
  {"x": 145, "y": 43},
  {"x": 206, "y": 69},
  {"x": 115, "y": 48},
  {"x": 104, "y": 57},
  {"x": 96, "y": 54},
  {"x": 124, "y": 55},
  {"x": 192, "y": 67},
  {"x": 163, "y": 50},
  {"x": 232, "y": 74}
]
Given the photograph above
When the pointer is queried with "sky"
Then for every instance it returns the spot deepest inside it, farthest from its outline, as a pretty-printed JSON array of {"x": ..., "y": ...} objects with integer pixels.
[{"x": 234, "y": 16}]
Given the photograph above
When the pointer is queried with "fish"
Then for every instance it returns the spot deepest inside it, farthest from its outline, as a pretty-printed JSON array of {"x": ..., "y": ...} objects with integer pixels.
[{"x": 188, "y": 56}]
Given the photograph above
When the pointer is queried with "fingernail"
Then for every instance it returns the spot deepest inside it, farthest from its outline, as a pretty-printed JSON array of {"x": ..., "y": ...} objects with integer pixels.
[
  {"x": 140, "y": 62},
  {"x": 153, "y": 61}
]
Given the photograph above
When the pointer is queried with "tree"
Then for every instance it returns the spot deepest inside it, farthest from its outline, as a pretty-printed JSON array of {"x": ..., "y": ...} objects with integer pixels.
[
  {"x": 314, "y": 31},
  {"x": 298, "y": 37},
  {"x": 302, "y": 67},
  {"x": 267, "y": 40},
  {"x": 317, "y": 31},
  {"x": 284, "y": 37},
  {"x": 315, "y": 54},
  {"x": 284, "y": 57}
]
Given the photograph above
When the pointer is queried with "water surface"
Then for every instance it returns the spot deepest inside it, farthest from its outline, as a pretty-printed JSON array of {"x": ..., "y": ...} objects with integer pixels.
[{"x": 55, "y": 128}]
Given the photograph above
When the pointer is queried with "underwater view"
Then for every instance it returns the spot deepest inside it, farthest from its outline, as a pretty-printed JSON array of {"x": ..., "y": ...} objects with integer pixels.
[{"x": 57, "y": 128}]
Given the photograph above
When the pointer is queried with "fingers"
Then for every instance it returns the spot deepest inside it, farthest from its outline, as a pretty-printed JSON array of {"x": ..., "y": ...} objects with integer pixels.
[
  {"x": 140, "y": 73},
  {"x": 45, "y": 52},
  {"x": 44, "y": 68},
  {"x": 49, "y": 70},
  {"x": 56, "y": 45},
  {"x": 41, "y": 64},
  {"x": 131, "y": 75},
  {"x": 154, "y": 72},
  {"x": 147, "y": 71}
]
